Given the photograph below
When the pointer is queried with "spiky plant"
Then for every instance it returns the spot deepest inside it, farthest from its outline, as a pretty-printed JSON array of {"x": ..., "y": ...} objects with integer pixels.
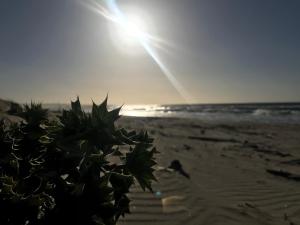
[{"x": 76, "y": 170}]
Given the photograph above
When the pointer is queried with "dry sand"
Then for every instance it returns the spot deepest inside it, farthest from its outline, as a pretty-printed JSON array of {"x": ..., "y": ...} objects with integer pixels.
[
  {"x": 243, "y": 174},
  {"x": 229, "y": 180}
]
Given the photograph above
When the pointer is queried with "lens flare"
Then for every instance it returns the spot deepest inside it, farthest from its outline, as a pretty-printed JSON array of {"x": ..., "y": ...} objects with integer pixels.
[
  {"x": 130, "y": 32},
  {"x": 133, "y": 28}
]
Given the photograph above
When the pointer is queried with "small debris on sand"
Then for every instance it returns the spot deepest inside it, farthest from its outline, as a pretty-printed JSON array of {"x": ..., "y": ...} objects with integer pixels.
[{"x": 176, "y": 165}]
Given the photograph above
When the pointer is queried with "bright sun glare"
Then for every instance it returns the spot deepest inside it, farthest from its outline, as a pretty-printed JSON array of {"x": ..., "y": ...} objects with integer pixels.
[{"x": 131, "y": 30}]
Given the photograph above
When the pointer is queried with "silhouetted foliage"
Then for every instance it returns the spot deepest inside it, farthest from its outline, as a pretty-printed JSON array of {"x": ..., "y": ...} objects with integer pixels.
[{"x": 76, "y": 170}]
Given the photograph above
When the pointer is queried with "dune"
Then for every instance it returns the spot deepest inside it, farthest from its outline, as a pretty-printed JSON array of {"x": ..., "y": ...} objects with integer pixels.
[
  {"x": 4, "y": 105},
  {"x": 229, "y": 166}
]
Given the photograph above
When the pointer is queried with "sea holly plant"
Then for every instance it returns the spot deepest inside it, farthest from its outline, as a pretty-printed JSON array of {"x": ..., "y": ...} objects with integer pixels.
[{"x": 76, "y": 169}]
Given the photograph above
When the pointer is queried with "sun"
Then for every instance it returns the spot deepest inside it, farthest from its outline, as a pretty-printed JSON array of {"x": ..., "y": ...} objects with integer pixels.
[
  {"x": 134, "y": 27},
  {"x": 131, "y": 30},
  {"x": 128, "y": 29}
]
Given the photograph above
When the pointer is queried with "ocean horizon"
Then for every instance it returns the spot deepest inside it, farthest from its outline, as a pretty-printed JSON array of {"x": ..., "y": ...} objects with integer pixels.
[{"x": 235, "y": 112}]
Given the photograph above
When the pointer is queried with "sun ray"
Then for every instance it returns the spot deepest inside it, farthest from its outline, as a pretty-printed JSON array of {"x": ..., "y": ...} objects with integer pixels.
[{"x": 149, "y": 42}]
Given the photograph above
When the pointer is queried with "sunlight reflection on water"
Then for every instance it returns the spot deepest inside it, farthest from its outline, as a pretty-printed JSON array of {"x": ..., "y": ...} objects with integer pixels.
[{"x": 266, "y": 113}]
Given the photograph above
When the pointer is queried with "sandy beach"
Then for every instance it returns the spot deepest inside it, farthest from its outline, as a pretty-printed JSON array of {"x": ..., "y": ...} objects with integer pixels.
[
  {"x": 240, "y": 173},
  {"x": 214, "y": 85},
  {"x": 232, "y": 173}
]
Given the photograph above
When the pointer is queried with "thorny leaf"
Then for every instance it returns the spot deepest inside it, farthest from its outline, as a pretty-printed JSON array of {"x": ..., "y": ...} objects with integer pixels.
[{"x": 70, "y": 170}]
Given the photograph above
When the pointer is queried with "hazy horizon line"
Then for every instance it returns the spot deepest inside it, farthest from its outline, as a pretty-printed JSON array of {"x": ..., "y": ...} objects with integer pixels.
[
  {"x": 217, "y": 103},
  {"x": 162, "y": 104}
]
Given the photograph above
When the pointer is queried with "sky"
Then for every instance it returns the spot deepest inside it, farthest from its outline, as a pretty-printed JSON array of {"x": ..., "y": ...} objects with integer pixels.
[{"x": 208, "y": 51}]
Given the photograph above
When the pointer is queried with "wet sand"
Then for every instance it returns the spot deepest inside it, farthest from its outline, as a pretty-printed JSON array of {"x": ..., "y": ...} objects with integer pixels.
[{"x": 240, "y": 173}]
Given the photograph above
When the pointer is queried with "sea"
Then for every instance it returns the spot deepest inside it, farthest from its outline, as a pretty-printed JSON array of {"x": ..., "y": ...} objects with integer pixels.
[{"x": 245, "y": 112}]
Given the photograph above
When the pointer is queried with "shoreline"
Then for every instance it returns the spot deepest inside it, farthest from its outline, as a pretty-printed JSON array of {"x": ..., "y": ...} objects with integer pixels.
[{"x": 234, "y": 173}]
